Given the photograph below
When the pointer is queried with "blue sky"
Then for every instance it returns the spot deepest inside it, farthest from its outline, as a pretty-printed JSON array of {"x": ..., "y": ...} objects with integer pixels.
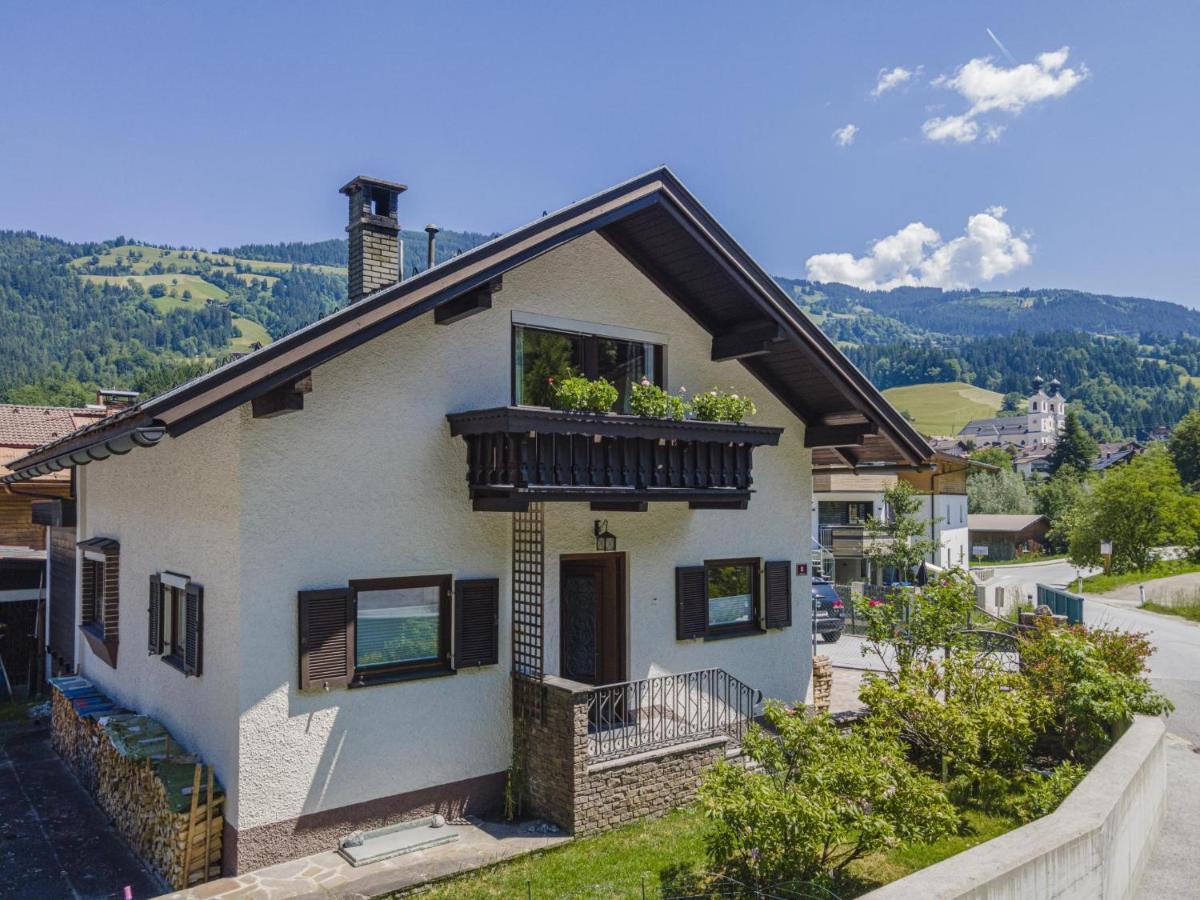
[{"x": 221, "y": 123}]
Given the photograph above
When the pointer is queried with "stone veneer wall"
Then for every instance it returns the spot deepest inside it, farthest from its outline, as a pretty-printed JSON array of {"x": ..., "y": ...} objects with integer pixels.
[{"x": 588, "y": 798}]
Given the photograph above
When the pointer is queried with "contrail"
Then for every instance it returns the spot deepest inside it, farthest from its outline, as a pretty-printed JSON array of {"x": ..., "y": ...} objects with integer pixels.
[{"x": 996, "y": 41}]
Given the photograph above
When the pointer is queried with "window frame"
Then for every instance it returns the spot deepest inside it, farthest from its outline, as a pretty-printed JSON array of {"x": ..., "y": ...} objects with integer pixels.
[
  {"x": 386, "y": 672},
  {"x": 734, "y": 629},
  {"x": 590, "y": 353},
  {"x": 173, "y": 611}
]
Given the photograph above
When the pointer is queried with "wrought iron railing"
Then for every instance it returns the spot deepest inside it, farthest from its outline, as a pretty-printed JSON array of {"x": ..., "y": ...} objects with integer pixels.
[{"x": 668, "y": 709}]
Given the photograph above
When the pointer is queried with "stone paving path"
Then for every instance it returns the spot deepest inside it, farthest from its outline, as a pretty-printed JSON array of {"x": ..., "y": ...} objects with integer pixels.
[
  {"x": 55, "y": 842},
  {"x": 328, "y": 875}
]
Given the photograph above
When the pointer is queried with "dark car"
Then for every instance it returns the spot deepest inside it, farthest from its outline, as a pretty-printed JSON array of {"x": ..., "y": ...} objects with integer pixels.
[{"x": 829, "y": 614}]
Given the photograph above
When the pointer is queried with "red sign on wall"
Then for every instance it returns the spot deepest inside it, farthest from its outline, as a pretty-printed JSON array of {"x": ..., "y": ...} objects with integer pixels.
[{"x": 801, "y": 568}]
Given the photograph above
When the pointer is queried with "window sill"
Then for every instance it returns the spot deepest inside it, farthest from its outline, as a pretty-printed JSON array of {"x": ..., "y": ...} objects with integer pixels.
[
  {"x": 741, "y": 632},
  {"x": 370, "y": 679},
  {"x": 104, "y": 648}
]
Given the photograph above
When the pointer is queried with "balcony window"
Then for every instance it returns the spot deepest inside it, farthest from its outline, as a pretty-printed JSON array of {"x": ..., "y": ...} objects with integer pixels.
[{"x": 541, "y": 354}]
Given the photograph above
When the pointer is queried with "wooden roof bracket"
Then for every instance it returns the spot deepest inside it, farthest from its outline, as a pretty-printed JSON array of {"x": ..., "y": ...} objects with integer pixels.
[
  {"x": 284, "y": 399},
  {"x": 468, "y": 304}
]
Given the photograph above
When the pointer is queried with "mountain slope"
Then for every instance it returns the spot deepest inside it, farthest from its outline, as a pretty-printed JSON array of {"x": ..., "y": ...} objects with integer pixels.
[{"x": 943, "y": 408}]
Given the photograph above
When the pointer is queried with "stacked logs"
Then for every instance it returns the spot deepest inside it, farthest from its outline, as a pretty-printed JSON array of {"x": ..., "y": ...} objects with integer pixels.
[
  {"x": 156, "y": 793},
  {"x": 822, "y": 682}
]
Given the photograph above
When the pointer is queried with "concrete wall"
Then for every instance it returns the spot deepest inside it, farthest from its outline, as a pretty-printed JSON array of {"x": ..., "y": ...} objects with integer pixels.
[{"x": 1093, "y": 847}]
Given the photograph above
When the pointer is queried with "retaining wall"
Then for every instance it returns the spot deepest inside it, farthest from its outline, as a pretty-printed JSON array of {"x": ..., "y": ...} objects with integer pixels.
[{"x": 1093, "y": 847}]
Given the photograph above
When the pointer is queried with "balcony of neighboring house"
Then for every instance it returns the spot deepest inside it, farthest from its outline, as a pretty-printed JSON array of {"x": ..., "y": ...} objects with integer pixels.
[
  {"x": 518, "y": 455},
  {"x": 848, "y": 541}
]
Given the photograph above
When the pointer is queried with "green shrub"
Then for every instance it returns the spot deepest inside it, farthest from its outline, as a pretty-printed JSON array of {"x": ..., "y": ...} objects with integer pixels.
[
  {"x": 650, "y": 400},
  {"x": 578, "y": 394},
  {"x": 820, "y": 799},
  {"x": 1044, "y": 793},
  {"x": 719, "y": 406},
  {"x": 1085, "y": 674},
  {"x": 917, "y": 624}
]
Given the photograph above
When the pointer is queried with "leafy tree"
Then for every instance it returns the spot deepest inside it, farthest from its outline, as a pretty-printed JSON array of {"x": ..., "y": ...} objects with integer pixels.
[
  {"x": 1185, "y": 448},
  {"x": 817, "y": 800},
  {"x": 993, "y": 456},
  {"x": 1012, "y": 404},
  {"x": 1054, "y": 498},
  {"x": 915, "y": 625},
  {"x": 1138, "y": 506},
  {"x": 900, "y": 540},
  {"x": 1076, "y": 449},
  {"x": 998, "y": 492}
]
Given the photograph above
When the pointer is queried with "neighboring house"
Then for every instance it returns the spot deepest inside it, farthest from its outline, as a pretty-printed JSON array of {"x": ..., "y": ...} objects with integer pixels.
[
  {"x": 1008, "y": 536},
  {"x": 27, "y": 522},
  {"x": 1033, "y": 462},
  {"x": 844, "y": 499},
  {"x": 364, "y": 571},
  {"x": 1116, "y": 454},
  {"x": 1039, "y": 426}
]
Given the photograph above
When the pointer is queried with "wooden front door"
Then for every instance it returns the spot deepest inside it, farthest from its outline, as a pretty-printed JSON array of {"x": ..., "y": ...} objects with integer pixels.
[{"x": 591, "y": 624}]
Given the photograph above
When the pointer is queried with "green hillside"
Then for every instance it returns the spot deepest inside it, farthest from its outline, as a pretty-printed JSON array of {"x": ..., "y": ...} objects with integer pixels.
[{"x": 943, "y": 408}]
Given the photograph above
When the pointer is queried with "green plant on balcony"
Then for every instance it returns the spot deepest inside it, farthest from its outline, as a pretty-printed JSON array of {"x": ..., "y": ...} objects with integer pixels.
[
  {"x": 578, "y": 394},
  {"x": 722, "y": 406},
  {"x": 649, "y": 400}
]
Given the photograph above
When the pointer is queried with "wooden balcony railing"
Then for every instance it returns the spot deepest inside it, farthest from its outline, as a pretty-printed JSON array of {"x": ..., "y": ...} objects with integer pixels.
[{"x": 516, "y": 455}]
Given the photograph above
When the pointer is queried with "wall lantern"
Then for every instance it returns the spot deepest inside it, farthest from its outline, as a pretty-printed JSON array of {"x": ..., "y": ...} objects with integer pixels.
[{"x": 606, "y": 541}]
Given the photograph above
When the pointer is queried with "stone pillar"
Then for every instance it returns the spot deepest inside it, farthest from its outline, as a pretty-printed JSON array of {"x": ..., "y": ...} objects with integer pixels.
[{"x": 822, "y": 682}]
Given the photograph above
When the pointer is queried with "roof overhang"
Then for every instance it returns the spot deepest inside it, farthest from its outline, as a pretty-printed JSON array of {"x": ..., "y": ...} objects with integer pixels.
[{"x": 663, "y": 231}]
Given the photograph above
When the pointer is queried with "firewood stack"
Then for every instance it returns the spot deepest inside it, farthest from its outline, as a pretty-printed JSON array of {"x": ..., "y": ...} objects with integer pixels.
[{"x": 156, "y": 793}]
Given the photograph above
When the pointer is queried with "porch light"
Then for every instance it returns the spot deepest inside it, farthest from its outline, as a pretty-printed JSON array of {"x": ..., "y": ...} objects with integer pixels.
[{"x": 606, "y": 541}]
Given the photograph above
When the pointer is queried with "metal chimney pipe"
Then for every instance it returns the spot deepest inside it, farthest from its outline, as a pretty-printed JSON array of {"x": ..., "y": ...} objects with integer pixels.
[{"x": 432, "y": 231}]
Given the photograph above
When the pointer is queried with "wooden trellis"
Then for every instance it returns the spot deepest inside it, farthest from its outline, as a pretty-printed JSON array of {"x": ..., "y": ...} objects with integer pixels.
[{"x": 528, "y": 601}]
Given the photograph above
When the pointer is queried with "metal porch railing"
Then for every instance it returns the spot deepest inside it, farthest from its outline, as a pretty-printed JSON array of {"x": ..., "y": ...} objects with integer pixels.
[{"x": 656, "y": 712}]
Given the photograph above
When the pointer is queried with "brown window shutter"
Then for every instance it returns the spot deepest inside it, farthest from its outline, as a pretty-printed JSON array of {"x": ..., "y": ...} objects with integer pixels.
[
  {"x": 326, "y": 639},
  {"x": 691, "y": 616},
  {"x": 778, "y": 589},
  {"x": 110, "y": 606},
  {"x": 193, "y": 630},
  {"x": 155, "y": 616},
  {"x": 87, "y": 590},
  {"x": 476, "y": 622}
]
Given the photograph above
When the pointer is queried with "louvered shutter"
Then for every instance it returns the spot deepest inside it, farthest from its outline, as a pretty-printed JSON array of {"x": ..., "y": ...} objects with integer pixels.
[
  {"x": 476, "y": 622},
  {"x": 326, "y": 639},
  {"x": 691, "y": 617},
  {"x": 87, "y": 592},
  {"x": 777, "y": 583},
  {"x": 193, "y": 629},
  {"x": 155, "y": 616}
]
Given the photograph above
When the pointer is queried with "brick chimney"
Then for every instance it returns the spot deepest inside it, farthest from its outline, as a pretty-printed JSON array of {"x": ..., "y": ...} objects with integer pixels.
[{"x": 375, "y": 251}]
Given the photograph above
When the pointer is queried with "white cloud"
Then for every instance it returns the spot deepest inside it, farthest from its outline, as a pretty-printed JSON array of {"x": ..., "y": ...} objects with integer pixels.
[
  {"x": 990, "y": 88},
  {"x": 916, "y": 256},
  {"x": 845, "y": 135},
  {"x": 893, "y": 78}
]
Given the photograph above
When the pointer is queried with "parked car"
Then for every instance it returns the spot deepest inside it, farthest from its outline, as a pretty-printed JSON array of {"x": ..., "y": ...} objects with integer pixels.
[{"x": 829, "y": 613}]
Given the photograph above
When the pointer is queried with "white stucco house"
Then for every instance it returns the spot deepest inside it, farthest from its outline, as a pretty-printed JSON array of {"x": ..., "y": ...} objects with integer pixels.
[
  {"x": 364, "y": 571},
  {"x": 844, "y": 498}
]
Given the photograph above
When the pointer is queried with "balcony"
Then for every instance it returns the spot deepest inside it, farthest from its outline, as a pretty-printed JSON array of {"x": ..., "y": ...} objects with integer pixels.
[
  {"x": 848, "y": 541},
  {"x": 517, "y": 455}
]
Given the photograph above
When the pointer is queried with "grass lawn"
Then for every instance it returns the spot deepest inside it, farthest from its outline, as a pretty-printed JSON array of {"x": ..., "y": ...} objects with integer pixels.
[
  {"x": 667, "y": 856},
  {"x": 1190, "y": 612},
  {"x": 1165, "y": 568},
  {"x": 251, "y": 332},
  {"x": 944, "y": 408}
]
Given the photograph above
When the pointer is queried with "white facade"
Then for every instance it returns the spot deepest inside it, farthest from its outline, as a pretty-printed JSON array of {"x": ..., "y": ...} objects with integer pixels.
[{"x": 365, "y": 482}]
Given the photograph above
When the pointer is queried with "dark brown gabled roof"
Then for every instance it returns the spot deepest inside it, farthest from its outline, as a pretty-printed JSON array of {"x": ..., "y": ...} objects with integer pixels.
[{"x": 662, "y": 230}]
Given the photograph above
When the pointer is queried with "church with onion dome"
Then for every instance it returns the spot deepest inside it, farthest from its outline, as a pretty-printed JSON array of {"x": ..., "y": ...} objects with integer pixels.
[{"x": 1039, "y": 426}]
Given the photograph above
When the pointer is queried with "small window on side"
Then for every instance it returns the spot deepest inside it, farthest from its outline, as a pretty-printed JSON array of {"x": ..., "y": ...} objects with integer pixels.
[{"x": 731, "y": 596}]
